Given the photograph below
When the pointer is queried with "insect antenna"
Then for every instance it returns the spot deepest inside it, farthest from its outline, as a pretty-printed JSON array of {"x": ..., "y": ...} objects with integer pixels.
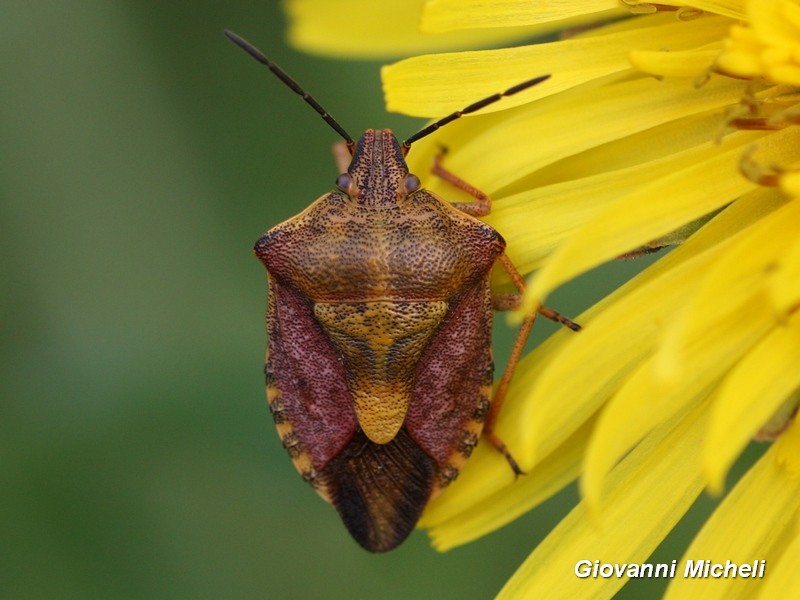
[
  {"x": 472, "y": 108},
  {"x": 291, "y": 83}
]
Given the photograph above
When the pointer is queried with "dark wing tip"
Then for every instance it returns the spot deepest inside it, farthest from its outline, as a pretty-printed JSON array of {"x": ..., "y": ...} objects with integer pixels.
[{"x": 380, "y": 490}]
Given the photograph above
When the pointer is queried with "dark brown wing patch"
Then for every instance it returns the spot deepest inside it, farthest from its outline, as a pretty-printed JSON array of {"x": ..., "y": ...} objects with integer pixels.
[
  {"x": 380, "y": 489},
  {"x": 454, "y": 377},
  {"x": 310, "y": 398}
]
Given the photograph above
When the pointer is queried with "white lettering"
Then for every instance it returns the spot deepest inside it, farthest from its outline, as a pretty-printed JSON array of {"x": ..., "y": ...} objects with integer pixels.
[
  {"x": 645, "y": 570},
  {"x": 583, "y": 568},
  {"x": 694, "y": 569},
  {"x": 586, "y": 568},
  {"x": 662, "y": 570},
  {"x": 728, "y": 566}
]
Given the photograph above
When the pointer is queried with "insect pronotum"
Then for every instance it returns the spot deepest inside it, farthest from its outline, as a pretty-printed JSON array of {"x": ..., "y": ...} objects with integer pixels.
[{"x": 379, "y": 364}]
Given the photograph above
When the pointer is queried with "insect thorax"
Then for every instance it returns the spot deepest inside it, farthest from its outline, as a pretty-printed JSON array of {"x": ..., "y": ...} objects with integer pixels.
[{"x": 420, "y": 249}]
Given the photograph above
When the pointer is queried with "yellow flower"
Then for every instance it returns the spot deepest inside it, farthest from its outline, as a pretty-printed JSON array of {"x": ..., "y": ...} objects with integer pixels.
[
  {"x": 767, "y": 45},
  {"x": 661, "y": 124}
]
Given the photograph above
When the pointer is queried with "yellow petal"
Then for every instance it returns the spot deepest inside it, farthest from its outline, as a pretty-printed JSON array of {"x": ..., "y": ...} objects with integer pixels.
[
  {"x": 754, "y": 522},
  {"x": 646, "y": 400},
  {"x": 596, "y": 361},
  {"x": 719, "y": 320},
  {"x": 449, "y": 528},
  {"x": 739, "y": 277},
  {"x": 495, "y": 151},
  {"x": 783, "y": 285},
  {"x": 447, "y": 15},
  {"x": 753, "y": 391},
  {"x": 649, "y": 492},
  {"x": 729, "y": 8},
  {"x": 451, "y": 81},
  {"x": 768, "y": 45},
  {"x": 486, "y": 472},
  {"x": 740, "y": 53},
  {"x": 788, "y": 452},
  {"x": 584, "y": 370},
  {"x": 650, "y": 212},
  {"x": 384, "y": 29},
  {"x": 536, "y": 222},
  {"x": 772, "y": 22},
  {"x": 790, "y": 183},
  {"x": 648, "y": 149},
  {"x": 689, "y": 63},
  {"x": 788, "y": 74},
  {"x": 785, "y": 575}
]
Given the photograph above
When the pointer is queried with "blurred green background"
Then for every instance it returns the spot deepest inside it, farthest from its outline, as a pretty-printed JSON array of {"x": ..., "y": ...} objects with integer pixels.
[{"x": 142, "y": 155}]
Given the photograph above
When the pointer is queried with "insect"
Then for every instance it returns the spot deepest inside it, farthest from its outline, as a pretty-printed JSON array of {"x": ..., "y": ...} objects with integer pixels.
[{"x": 379, "y": 365}]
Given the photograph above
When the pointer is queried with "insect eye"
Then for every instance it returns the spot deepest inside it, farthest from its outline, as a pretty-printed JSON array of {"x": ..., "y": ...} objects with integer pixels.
[
  {"x": 411, "y": 183},
  {"x": 343, "y": 182}
]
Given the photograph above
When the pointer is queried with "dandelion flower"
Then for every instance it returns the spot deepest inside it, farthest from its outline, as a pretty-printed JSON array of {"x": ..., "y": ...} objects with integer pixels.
[{"x": 661, "y": 125}]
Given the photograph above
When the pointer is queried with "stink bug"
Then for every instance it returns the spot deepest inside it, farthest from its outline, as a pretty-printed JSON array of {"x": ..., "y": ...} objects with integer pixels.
[{"x": 379, "y": 364}]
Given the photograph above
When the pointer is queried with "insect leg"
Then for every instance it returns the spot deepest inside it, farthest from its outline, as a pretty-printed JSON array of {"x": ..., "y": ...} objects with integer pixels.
[
  {"x": 502, "y": 301},
  {"x": 481, "y": 208},
  {"x": 483, "y": 204},
  {"x": 513, "y": 301},
  {"x": 502, "y": 389},
  {"x": 508, "y": 302}
]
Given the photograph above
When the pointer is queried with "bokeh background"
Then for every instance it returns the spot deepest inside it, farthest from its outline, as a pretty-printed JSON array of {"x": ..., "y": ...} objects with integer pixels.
[{"x": 141, "y": 156}]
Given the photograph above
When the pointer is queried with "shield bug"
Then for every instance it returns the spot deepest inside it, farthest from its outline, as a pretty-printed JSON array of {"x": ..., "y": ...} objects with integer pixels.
[{"x": 379, "y": 365}]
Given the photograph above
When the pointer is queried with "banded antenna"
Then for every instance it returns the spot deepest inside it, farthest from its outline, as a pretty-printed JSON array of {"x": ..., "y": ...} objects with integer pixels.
[
  {"x": 291, "y": 84},
  {"x": 475, "y": 106},
  {"x": 294, "y": 86}
]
